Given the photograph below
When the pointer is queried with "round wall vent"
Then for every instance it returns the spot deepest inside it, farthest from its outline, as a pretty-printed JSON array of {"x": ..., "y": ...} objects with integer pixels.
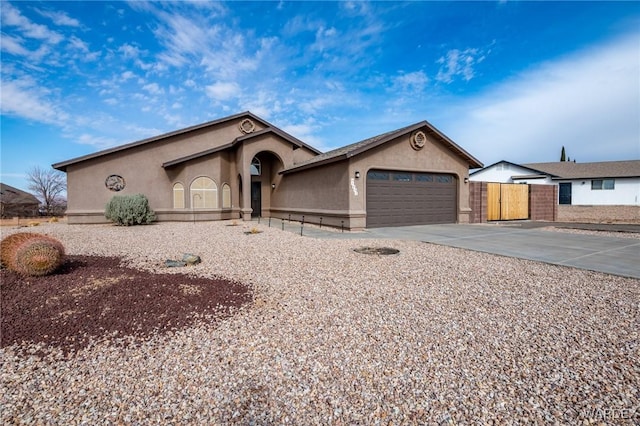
[
  {"x": 247, "y": 126},
  {"x": 418, "y": 140}
]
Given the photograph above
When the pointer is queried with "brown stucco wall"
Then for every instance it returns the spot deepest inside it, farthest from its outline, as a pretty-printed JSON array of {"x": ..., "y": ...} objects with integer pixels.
[
  {"x": 333, "y": 193},
  {"x": 330, "y": 192},
  {"x": 599, "y": 214},
  {"x": 314, "y": 193},
  {"x": 141, "y": 167},
  {"x": 399, "y": 155}
]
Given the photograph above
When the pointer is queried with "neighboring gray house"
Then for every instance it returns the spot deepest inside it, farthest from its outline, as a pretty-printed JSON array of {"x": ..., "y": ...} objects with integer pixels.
[{"x": 16, "y": 202}]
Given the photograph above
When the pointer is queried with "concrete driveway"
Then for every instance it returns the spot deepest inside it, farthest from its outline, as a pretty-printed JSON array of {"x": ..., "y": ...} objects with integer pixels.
[{"x": 612, "y": 255}]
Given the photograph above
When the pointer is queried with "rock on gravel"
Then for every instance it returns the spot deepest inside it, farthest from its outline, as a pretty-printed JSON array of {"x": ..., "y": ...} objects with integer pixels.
[{"x": 431, "y": 335}]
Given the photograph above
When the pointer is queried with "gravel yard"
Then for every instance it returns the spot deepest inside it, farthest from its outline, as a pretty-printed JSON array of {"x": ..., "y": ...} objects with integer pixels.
[{"x": 431, "y": 335}]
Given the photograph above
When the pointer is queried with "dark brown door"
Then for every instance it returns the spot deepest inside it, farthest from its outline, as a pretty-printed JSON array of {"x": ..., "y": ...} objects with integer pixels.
[
  {"x": 256, "y": 199},
  {"x": 396, "y": 198}
]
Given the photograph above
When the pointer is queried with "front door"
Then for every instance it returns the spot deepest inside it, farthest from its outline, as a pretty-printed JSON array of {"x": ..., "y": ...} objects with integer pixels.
[
  {"x": 564, "y": 193},
  {"x": 256, "y": 199}
]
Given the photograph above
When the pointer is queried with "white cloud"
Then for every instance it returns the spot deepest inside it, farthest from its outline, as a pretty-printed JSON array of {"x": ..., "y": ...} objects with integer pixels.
[
  {"x": 306, "y": 132},
  {"x": 587, "y": 102},
  {"x": 153, "y": 88},
  {"x": 27, "y": 100},
  {"x": 129, "y": 51},
  {"x": 223, "y": 91},
  {"x": 13, "y": 46},
  {"x": 12, "y": 17},
  {"x": 59, "y": 18},
  {"x": 458, "y": 63},
  {"x": 410, "y": 82},
  {"x": 127, "y": 75},
  {"x": 100, "y": 142},
  {"x": 78, "y": 44},
  {"x": 184, "y": 38}
]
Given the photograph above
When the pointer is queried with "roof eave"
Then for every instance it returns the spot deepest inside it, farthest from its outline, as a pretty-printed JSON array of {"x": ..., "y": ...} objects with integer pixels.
[
  {"x": 184, "y": 159},
  {"x": 284, "y": 135},
  {"x": 324, "y": 162},
  {"x": 62, "y": 166},
  {"x": 595, "y": 177},
  {"x": 473, "y": 162}
]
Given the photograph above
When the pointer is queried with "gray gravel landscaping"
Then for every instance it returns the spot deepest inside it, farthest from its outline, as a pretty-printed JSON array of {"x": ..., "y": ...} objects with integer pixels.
[{"x": 431, "y": 335}]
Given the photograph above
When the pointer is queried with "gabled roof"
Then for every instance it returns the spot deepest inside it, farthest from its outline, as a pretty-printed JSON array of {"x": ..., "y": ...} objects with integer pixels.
[
  {"x": 367, "y": 144},
  {"x": 64, "y": 164},
  {"x": 296, "y": 142},
  {"x": 570, "y": 170},
  {"x": 602, "y": 169},
  {"x": 535, "y": 172},
  {"x": 11, "y": 195}
]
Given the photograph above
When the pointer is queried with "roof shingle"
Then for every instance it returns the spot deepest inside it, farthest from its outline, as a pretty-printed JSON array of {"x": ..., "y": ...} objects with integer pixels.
[{"x": 603, "y": 169}]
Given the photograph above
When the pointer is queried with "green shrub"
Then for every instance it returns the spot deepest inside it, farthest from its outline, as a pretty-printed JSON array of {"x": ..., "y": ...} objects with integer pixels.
[
  {"x": 31, "y": 254},
  {"x": 129, "y": 210}
]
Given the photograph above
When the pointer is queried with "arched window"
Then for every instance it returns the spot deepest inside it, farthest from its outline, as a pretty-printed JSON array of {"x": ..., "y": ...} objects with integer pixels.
[
  {"x": 226, "y": 196},
  {"x": 256, "y": 167},
  {"x": 204, "y": 193},
  {"x": 178, "y": 196}
]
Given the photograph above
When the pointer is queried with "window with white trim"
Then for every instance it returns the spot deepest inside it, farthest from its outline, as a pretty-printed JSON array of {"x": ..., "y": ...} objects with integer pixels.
[
  {"x": 204, "y": 193},
  {"x": 178, "y": 196},
  {"x": 226, "y": 196}
]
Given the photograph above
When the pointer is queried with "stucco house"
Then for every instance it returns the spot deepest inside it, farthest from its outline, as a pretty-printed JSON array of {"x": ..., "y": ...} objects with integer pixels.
[
  {"x": 241, "y": 166},
  {"x": 598, "y": 191}
]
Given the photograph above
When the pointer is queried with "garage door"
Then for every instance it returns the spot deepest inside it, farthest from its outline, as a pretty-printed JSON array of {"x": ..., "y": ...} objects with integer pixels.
[{"x": 397, "y": 198}]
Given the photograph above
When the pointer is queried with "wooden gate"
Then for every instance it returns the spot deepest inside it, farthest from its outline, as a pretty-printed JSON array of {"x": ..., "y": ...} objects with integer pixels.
[{"x": 507, "y": 201}]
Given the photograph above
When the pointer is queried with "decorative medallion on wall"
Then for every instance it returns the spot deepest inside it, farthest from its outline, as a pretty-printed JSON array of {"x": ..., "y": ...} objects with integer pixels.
[
  {"x": 247, "y": 126},
  {"x": 114, "y": 183},
  {"x": 418, "y": 139}
]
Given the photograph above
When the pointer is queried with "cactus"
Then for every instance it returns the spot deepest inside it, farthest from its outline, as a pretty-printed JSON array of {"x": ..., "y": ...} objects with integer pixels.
[
  {"x": 31, "y": 254},
  {"x": 39, "y": 257},
  {"x": 10, "y": 244}
]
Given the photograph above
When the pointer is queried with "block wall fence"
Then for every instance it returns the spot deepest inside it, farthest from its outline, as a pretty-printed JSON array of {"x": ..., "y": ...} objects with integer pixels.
[{"x": 543, "y": 202}]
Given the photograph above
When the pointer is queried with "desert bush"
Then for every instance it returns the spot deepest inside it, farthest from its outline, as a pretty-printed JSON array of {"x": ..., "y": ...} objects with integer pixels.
[
  {"x": 31, "y": 254},
  {"x": 129, "y": 210}
]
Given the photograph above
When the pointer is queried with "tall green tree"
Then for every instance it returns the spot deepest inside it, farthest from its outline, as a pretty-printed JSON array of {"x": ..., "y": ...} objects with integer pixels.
[{"x": 563, "y": 155}]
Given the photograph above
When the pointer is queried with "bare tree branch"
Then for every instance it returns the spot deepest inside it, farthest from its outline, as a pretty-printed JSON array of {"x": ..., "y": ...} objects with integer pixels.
[{"x": 48, "y": 185}]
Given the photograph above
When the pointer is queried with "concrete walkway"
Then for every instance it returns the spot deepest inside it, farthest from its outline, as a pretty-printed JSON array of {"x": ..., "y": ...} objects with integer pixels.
[{"x": 612, "y": 255}]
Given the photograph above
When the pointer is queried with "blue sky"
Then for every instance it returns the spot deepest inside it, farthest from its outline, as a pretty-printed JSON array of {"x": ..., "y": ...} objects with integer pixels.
[{"x": 505, "y": 80}]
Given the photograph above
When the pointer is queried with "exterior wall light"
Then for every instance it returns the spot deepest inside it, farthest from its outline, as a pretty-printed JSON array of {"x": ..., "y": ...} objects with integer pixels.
[
  {"x": 273, "y": 186},
  {"x": 466, "y": 180},
  {"x": 357, "y": 174}
]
